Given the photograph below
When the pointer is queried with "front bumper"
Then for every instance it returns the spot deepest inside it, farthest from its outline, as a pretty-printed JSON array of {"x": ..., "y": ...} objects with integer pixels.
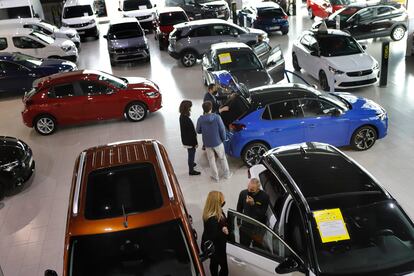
[
  {"x": 172, "y": 53},
  {"x": 345, "y": 81},
  {"x": 138, "y": 54},
  {"x": 154, "y": 104},
  {"x": 88, "y": 31},
  {"x": 272, "y": 27}
]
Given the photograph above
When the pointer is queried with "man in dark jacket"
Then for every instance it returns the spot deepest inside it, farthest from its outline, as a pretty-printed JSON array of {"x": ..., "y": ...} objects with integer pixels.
[
  {"x": 213, "y": 96},
  {"x": 253, "y": 202}
]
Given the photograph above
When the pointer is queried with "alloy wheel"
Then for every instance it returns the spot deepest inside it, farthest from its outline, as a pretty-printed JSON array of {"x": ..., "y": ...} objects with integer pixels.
[
  {"x": 398, "y": 33},
  {"x": 254, "y": 153},
  {"x": 365, "y": 138},
  {"x": 136, "y": 112},
  {"x": 45, "y": 125},
  {"x": 189, "y": 59}
]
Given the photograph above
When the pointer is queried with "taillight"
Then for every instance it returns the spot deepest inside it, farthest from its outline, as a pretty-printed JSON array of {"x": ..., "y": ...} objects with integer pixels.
[{"x": 237, "y": 127}]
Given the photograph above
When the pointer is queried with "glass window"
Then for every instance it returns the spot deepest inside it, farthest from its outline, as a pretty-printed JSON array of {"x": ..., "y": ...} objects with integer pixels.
[
  {"x": 222, "y": 30},
  {"x": 366, "y": 14},
  {"x": 338, "y": 45},
  {"x": 130, "y": 189},
  {"x": 283, "y": 110},
  {"x": 201, "y": 31},
  {"x": 63, "y": 90},
  {"x": 172, "y": 18},
  {"x": 77, "y": 11},
  {"x": 9, "y": 66},
  {"x": 29, "y": 61},
  {"x": 93, "y": 88},
  {"x": 241, "y": 60},
  {"x": 315, "y": 108},
  {"x": 16, "y": 12},
  {"x": 130, "y": 5},
  {"x": 295, "y": 231},
  {"x": 251, "y": 234},
  {"x": 115, "y": 81},
  {"x": 160, "y": 249},
  {"x": 24, "y": 42},
  {"x": 274, "y": 190},
  {"x": 125, "y": 30},
  {"x": 384, "y": 10},
  {"x": 3, "y": 43},
  {"x": 271, "y": 13},
  {"x": 309, "y": 42},
  {"x": 38, "y": 28},
  {"x": 45, "y": 38}
]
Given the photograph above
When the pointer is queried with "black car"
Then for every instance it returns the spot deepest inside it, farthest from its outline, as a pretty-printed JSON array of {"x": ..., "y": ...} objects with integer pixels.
[
  {"x": 326, "y": 216},
  {"x": 18, "y": 71},
  {"x": 367, "y": 20},
  {"x": 202, "y": 9},
  {"x": 253, "y": 66},
  {"x": 16, "y": 165}
]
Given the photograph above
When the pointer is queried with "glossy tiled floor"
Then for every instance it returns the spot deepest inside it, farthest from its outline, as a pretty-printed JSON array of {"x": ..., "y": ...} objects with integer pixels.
[{"x": 32, "y": 223}]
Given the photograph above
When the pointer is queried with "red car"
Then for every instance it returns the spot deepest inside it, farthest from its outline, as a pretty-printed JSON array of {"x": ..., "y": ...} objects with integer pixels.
[
  {"x": 82, "y": 96},
  {"x": 166, "y": 19},
  {"x": 324, "y": 8}
]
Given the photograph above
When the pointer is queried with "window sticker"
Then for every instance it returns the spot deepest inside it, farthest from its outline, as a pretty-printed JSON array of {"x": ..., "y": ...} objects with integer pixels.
[
  {"x": 331, "y": 225},
  {"x": 142, "y": 7},
  {"x": 224, "y": 58}
]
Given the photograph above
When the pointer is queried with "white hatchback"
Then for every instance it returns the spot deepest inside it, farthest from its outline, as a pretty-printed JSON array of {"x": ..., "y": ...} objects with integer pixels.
[
  {"x": 37, "y": 44},
  {"x": 143, "y": 10},
  {"x": 335, "y": 58},
  {"x": 81, "y": 15}
]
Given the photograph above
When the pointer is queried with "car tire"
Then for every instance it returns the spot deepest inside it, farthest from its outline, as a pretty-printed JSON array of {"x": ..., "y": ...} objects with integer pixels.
[
  {"x": 45, "y": 124},
  {"x": 253, "y": 152},
  {"x": 323, "y": 81},
  {"x": 398, "y": 33},
  {"x": 364, "y": 138},
  {"x": 188, "y": 58},
  {"x": 295, "y": 62},
  {"x": 310, "y": 12},
  {"x": 136, "y": 112}
]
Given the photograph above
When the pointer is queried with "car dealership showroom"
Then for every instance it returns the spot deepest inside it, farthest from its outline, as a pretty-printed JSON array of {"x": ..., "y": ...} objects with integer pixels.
[{"x": 206, "y": 137}]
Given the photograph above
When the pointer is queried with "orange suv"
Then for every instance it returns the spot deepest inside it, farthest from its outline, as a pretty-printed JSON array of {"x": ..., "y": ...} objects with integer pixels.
[{"x": 127, "y": 215}]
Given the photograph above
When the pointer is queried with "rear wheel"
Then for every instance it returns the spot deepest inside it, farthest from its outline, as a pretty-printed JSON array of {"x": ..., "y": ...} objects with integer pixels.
[
  {"x": 188, "y": 58},
  {"x": 136, "y": 112},
  {"x": 364, "y": 138},
  {"x": 45, "y": 124},
  {"x": 398, "y": 33},
  {"x": 253, "y": 153},
  {"x": 295, "y": 62},
  {"x": 323, "y": 81}
]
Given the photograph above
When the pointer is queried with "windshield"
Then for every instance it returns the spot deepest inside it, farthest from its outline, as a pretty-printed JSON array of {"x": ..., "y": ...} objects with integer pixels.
[
  {"x": 172, "y": 18},
  {"x": 344, "y": 13},
  {"x": 131, "y": 5},
  {"x": 381, "y": 239},
  {"x": 342, "y": 103},
  {"x": 115, "y": 81},
  {"x": 155, "y": 250},
  {"x": 338, "y": 45},
  {"x": 270, "y": 13},
  {"x": 45, "y": 38},
  {"x": 27, "y": 60},
  {"x": 238, "y": 61},
  {"x": 125, "y": 30},
  {"x": 77, "y": 11},
  {"x": 16, "y": 12}
]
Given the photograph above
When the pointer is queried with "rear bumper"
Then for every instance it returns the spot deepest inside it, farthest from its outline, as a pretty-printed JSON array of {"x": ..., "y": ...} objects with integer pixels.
[
  {"x": 154, "y": 104},
  {"x": 272, "y": 27},
  {"x": 130, "y": 56}
]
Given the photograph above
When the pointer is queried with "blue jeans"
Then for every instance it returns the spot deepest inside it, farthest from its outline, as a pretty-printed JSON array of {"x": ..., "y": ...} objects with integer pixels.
[{"x": 191, "y": 156}]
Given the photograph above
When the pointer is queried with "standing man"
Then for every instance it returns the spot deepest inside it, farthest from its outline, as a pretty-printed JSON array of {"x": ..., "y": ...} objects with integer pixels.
[
  {"x": 213, "y": 96},
  {"x": 212, "y": 130},
  {"x": 253, "y": 202}
]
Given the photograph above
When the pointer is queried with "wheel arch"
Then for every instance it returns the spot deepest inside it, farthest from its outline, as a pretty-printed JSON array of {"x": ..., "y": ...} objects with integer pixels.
[
  {"x": 44, "y": 114},
  {"x": 190, "y": 49},
  {"x": 252, "y": 142},
  {"x": 370, "y": 125}
]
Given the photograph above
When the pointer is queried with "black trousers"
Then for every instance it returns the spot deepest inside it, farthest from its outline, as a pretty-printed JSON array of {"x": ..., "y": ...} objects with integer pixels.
[
  {"x": 218, "y": 265},
  {"x": 191, "y": 157}
]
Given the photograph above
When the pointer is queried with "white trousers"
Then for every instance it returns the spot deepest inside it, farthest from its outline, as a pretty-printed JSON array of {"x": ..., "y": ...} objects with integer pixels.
[{"x": 221, "y": 154}]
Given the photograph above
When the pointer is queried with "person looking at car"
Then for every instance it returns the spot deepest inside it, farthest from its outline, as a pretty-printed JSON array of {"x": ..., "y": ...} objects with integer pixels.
[
  {"x": 213, "y": 96},
  {"x": 216, "y": 231},
  {"x": 188, "y": 135},
  {"x": 252, "y": 202},
  {"x": 211, "y": 128}
]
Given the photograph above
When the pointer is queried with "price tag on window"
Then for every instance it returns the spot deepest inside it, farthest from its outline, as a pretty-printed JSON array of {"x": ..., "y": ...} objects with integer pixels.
[
  {"x": 331, "y": 225},
  {"x": 142, "y": 7},
  {"x": 224, "y": 58}
]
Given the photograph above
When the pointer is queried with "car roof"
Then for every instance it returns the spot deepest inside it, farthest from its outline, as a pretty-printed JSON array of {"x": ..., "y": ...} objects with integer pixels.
[
  {"x": 8, "y": 141},
  {"x": 229, "y": 46},
  {"x": 21, "y": 21},
  {"x": 6, "y": 30},
  {"x": 114, "y": 155},
  {"x": 201, "y": 22},
  {"x": 122, "y": 20},
  {"x": 320, "y": 171},
  {"x": 265, "y": 4},
  {"x": 46, "y": 81},
  {"x": 70, "y": 3},
  {"x": 170, "y": 9}
]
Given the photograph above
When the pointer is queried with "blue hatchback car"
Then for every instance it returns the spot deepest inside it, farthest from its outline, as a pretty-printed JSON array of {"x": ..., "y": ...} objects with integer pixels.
[
  {"x": 18, "y": 71},
  {"x": 267, "y": 16},
  {"x": 277, "y": 115}
]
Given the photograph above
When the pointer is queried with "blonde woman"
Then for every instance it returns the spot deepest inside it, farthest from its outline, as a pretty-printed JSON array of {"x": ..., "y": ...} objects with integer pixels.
[{"x": 215, "y": 230}]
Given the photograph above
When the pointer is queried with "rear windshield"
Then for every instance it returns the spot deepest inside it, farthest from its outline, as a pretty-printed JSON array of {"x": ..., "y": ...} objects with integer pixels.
[
  {"x": 77, "y": 11},
  {"x": 131, "y": 5},
  {"x": 125, "y": 30},
  {"x": 130, "y": 189},
  {"x": 270, "y": 13},
  {"x": 156, "y": 250},
  {"x": 17, "y": 12},
  {"x": 172, "y": 18},
  {"x": 10, "y": 154}
]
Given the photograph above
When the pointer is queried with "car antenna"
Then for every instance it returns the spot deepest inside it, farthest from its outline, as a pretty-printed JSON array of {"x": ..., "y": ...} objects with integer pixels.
[{"x": 125, "y": 217}]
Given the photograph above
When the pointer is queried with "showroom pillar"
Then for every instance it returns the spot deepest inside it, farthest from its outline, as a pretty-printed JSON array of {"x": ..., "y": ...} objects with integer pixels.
[{"x": 410, "y": 31}]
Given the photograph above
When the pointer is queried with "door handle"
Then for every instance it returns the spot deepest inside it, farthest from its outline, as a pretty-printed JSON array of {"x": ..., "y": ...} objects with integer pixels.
[
  {"x": 237, "y": 261},
  {"x": 312, "y": 125}
]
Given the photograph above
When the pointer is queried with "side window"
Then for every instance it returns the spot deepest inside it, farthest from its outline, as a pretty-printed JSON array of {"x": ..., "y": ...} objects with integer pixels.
[
  {"x": 315, "y": 108},
  {"x": 23, "y": 42},
  {"x": 221, "y": 30},
  {"x": 10, "y": 67},
  {"x": 366, "y": 14},
  {"x": 283, "y": 110},
  {"x": 62, "y": 91},
  {"x": 254, "y": 236},
  {"x": 93, "y": 88},
  {"x": 3, "y": 43},
  {"x": 381, "y": 11},
  {"x": 309, "y": 42},
  {"x": 201, "y": 31}
]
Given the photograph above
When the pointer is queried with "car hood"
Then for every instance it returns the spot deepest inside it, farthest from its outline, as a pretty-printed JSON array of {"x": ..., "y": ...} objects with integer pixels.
[
  {"x": 127, "y": 42},
  {"x": 61, "y": 42},
  {"x": 66, "y": 30},
  {"x": 252, "y": 78},
  {"x": 361, "y": 104},
  {"x": 352, "y": 63},
  {"x": 138, "y": 83},
  {"x": 135, "y": 13}
]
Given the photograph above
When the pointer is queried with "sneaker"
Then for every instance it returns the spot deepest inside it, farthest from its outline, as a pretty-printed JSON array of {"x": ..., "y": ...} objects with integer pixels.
[
  {"x": 194, "y": 172},
  {"x": 214, "y": 179},
  {"x": 228, "y": 176}
]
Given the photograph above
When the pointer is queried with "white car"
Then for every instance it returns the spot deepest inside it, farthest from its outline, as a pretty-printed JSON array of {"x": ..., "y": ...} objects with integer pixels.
[
  {"x": 37, "y": 44},
  {"x": 143, "y": 10},
  {"x": 81, "y": 15},
  {"x": 335, "y": 58},
  {"x": 44, "y": 27}
]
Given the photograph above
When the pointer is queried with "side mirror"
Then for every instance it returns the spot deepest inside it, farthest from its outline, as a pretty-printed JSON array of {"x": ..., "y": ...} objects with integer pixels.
[
  {"x": 288, "y": 265},
  {"x": 210, "y": 69},
  {"x": 110, "y": 91},
  {"x": 36, "y": 15},
  {"x": 50, "y": 272},
  {"x": 208, "y": 250}
]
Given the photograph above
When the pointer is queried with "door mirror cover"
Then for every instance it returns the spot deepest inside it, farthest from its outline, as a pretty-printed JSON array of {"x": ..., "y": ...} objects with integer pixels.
[
  {"x": 207, "y": 250},
  {"x": 50, "y": 272},
  {"x": 288, "y": 265}
]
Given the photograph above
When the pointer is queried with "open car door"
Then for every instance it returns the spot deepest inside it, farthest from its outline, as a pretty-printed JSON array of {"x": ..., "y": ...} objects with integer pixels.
[{"x": 275, "y": 64}]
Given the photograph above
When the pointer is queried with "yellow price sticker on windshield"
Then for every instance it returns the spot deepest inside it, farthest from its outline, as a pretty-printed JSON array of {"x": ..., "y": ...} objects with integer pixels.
[
  {"x": 224, "y": 58},
  {"x": 331, "y": 225}
]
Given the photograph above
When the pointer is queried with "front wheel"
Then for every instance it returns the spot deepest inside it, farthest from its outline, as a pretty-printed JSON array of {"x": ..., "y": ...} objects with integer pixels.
[
  {"x": 253, "y": 153},
  {"x": 364, "y": 138},
  {"x": 136, "y": 112},
  {"x": 188, "y": 58},
  {"x": 398, "y": 33},
  {"x": 45, "y": 125}
]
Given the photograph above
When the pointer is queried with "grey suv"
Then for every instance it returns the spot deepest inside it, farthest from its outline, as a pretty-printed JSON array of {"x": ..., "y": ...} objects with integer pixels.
[{"x": 190, "y": 40}]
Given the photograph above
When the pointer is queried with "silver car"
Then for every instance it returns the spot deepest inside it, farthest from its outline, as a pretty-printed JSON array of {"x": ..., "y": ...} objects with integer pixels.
[{"x": 190, "y": 40}]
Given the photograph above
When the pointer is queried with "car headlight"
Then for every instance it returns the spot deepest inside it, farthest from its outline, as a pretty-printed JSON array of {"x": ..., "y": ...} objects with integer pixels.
[
  {"x": 70, "y": 35},
  {"x": 376, "y": 66},
  {"x": 66, "y": 48},
  {"x": 152, "y": 94},
  {"x": 92, "y": 21},
  {"x": 382, "y": 116},
  {"x": 335, "y": 71}
]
